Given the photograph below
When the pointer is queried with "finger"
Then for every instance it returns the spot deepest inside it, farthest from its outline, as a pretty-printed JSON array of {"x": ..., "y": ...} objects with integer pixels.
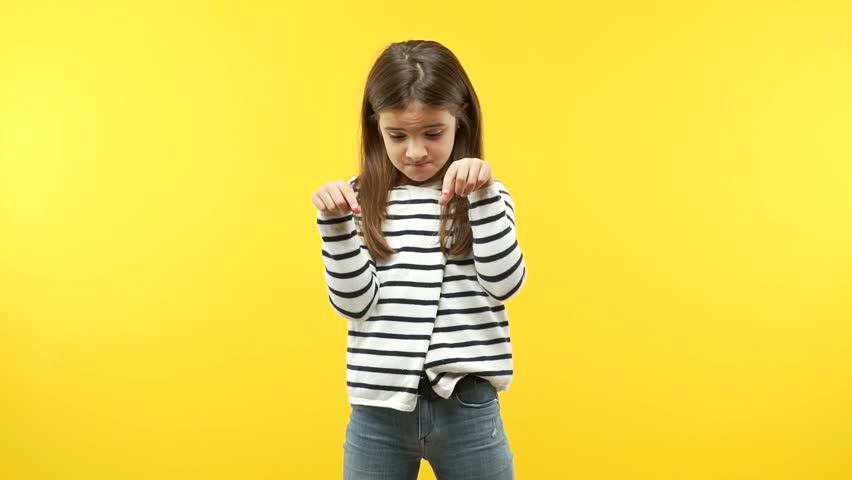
[
  {"x": 315, "y": 199},
  {"x": 349, "y": 194},
  {"x": 448, "y": 190},
  {"x": 326, "y": 200},
  {"x": 461, "y": 178},
  {"x": 473, "y": 181},
  {"x": 485, "y": 175},
  {"x": 331, "y": 202},
  {"x": 339, "y": 199}
]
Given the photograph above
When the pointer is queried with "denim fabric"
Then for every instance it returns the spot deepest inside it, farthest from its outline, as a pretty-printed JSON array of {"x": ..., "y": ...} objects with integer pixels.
[{"x": 461, "y": 437}]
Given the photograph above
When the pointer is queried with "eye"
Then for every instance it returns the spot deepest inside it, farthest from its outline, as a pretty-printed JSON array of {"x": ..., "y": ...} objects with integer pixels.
[{"x": 430, "y": 135}]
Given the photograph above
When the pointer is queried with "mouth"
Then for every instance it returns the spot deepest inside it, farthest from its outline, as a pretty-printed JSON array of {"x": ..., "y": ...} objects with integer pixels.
[{"x": 418, "y": 164}]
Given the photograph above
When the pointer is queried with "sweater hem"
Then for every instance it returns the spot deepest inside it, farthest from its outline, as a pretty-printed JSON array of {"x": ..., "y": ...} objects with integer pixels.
[{"x": 369, "y": 402}]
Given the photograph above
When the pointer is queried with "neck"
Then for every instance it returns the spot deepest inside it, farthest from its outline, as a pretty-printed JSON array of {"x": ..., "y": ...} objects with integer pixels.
[{"x": 434, "y": 182}]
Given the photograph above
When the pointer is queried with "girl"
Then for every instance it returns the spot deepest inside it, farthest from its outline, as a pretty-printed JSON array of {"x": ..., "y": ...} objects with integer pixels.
[{"x": 420, "y": 254}]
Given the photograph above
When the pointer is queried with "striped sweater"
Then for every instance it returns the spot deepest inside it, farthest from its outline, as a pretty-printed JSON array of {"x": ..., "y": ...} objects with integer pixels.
[{"x": 421, "y": 313}]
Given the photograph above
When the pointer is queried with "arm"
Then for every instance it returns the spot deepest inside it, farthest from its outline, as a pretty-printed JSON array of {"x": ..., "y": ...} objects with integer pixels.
[
  {"x": 497, "y": 256},
  {"x": 350, "y": 271}
]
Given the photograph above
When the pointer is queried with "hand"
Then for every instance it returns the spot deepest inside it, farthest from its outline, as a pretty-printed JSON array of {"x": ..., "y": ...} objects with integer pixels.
[
  {"x": 336, "y": 196},
  {"x": 464, "y": 177}
]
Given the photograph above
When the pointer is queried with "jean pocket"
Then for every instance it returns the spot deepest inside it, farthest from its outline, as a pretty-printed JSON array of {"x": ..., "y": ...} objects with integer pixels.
[{"x": 481, "y": 395}]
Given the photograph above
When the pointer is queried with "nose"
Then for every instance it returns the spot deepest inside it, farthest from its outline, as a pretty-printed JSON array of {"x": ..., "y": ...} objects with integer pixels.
[{"x": 415, "y": 151}]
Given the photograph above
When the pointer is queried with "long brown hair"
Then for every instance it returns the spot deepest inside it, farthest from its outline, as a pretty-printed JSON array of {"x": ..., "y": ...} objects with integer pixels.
[{"x": 426, "y": 71}]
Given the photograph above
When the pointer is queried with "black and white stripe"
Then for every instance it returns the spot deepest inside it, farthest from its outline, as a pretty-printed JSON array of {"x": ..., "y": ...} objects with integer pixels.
[{"x": 419, "y": 312}]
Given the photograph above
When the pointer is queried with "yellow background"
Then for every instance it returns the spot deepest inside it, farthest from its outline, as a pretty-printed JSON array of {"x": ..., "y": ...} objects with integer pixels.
[{"x": 683, "y": 186}]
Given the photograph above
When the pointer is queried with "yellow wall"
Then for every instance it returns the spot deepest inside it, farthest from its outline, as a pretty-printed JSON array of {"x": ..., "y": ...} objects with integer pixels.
[{"x": 683, "y": 188}]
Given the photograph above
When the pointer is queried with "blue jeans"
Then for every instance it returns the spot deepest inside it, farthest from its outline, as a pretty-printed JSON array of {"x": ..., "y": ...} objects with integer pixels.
[{"x": 461, "y": 437}]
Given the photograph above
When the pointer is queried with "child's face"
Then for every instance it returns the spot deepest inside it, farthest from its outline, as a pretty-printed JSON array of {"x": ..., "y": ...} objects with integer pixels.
[{"x": 412, "y": 136}]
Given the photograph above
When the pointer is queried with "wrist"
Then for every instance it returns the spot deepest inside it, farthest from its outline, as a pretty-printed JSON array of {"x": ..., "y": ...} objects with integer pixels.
[{"x": 487, "y": 190}]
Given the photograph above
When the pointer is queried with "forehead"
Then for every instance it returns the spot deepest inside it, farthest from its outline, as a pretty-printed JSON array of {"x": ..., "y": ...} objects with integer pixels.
[{"x": 415, "y": 115}]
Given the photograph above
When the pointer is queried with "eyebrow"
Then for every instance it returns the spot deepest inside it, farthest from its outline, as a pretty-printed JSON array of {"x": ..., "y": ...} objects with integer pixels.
[{"x": 427, "y": 126}]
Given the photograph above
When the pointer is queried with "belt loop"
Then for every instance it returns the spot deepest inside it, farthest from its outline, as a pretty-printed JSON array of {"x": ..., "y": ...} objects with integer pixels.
[{"x": 424, "y": 387}]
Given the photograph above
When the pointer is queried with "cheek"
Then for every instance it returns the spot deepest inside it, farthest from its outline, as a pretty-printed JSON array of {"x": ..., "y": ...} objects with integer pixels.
[
  {"x": 395, "y": 150},
  {"x": 390, "y": 147},
  {"x": 447, "y": 146},
  {"x": 395, "y": 154}
]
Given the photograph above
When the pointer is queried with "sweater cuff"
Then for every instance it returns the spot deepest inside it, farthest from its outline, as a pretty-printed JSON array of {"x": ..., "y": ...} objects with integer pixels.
[
  {"x": 328, "y": 215},
  {"x": 492, "y": 190}
]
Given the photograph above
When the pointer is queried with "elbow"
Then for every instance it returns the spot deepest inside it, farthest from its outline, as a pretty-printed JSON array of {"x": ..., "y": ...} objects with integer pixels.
[
  {"x": 350, "y": 310},
  {"x": 507, "y": 287}
]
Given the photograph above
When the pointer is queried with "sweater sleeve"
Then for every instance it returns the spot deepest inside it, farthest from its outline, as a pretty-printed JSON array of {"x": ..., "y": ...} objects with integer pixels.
[
  {"x": 497, "y": 256},
  {"x": 350, "y": 271}
]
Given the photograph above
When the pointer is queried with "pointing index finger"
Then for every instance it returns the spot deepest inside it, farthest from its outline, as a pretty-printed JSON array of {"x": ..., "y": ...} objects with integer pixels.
[
  {"x": 349, "y": 193},
  {"x": 448, "y": 189}
]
